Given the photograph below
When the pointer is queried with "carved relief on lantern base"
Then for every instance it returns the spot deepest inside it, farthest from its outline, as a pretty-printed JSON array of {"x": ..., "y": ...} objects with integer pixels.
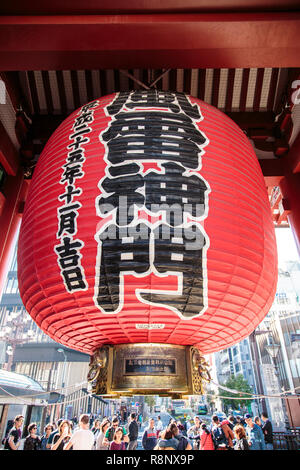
[{"x": 147, "y": 369}]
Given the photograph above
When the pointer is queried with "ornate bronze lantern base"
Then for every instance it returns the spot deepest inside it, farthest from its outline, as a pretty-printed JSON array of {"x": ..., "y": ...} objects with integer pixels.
[{"x": 147, "y": 369}]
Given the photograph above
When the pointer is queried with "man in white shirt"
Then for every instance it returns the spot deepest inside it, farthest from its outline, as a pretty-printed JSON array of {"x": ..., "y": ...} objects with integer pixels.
[
  {"x": 159, "y": 426},
  {"x": 83, "y": 438}
]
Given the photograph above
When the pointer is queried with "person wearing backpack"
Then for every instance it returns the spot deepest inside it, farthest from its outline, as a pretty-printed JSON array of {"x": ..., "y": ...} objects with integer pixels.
[
  {"x": 183, "y": 443},
  {"x": 228, "y": 433},
  {"x": 206, "y": 440},
  {"x": 219, "y": 438}
]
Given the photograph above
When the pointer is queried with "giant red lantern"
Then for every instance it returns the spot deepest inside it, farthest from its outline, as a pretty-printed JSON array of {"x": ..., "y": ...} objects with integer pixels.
[{"x": 103, "y": 256}]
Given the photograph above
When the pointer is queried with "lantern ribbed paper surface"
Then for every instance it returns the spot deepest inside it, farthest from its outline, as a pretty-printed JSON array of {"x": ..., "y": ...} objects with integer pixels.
[{"x": 147, "y": 220}]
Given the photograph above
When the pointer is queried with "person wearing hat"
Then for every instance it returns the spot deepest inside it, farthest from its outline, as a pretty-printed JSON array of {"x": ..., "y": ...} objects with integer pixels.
[{"x": 254, "y": 433}]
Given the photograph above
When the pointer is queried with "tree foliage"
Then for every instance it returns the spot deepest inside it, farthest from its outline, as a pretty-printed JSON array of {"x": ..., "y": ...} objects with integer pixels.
[
  {"x": 150, "y": 400},
  {"x": 236, "y": 383}
]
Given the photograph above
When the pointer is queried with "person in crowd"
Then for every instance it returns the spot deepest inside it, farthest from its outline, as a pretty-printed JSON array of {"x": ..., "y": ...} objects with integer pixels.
[
  {"x": 219, "y": 438},
  {"x": 149, "y": 439},
  {"x": 231, "y": 422},
  {"x": 62, "y": 437},
  {"x": 167, "y": 440},
  {"x": 133, "y": 432},
  {"x": 14, "y": 437},
  {"x": 96, "y": 426},
  {"x": 118, "y": 440},
  {"x": 194, "y": 432},
  {"x": 125, "y": 415},
  {"x": 255, "y": 434},
  {"x": 206, "y": 440},
  {"x": 75, "y": 420},
  {"x": 180, "y": 427},
  {"x": 109, "y": 435},
  {"x": 238, "y": 420},
  {"x": 32, "y": 441},
  {"x": 221, "y": 432},
  {"x": 159, "y": 426},
  {"x": 140, "y": 420},
  {"x": 241, "y": 438},
  {"x": 225, "y": 425},
  {"x": 44, "y": 440},
  {"x": 257, "y": 421},
  {"x": 96, "y": 430},
  {"x": 83, "y": 438},
  {"x": 103, "y": 428},
  {"x": 183, "y": 443},
  {"x": 267, "y": 430},
  {"x": 91, "y": 419},
  {"x": 54, "y": 432}
]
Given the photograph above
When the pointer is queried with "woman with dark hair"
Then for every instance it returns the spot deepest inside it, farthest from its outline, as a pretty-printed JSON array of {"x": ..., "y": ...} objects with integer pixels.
[
  {"x": 241, "y": 440},
  {"x": 206, "y": 440},
  {"x": 167, "y": 441},
  {"x": 32, "y": 441},
  {"x": 103, "y": 428},
  {"x": 63, "y": 436},
  {"x": 118, "y": 443},
  {"x": 183, "y": 443},
  {"x": 44, "y": 440}
]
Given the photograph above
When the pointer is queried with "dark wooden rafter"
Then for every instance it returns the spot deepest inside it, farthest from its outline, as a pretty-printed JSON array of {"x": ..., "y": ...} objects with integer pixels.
[
  {"x": 272, "y": 89},
  {"x": 258, "y": 89},
  {"x": 229, "y": 94},
  {"x": 61, "y": 91}
]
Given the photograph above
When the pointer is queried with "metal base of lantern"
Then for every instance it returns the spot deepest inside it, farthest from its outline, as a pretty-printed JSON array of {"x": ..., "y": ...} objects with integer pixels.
[{"x": 147, "y": 369}]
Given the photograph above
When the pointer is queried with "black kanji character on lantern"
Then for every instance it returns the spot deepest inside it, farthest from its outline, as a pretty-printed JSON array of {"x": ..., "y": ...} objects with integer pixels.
[
  {"x": 124, "y": 197},
  {"x": 80, "y": 131},
  {"x": 83, "y": 119},
  {"x": 67, "y": 222},
  {"x": 68, "y": 259},
  {"x": 76, "y": 156},
  {"x": 70, "y": 192},
  {"x": 174, "y": 193},
  {"x": 157, "y": 135},
  {"x": 180, "y": 255},
  {"x": 119, "y": 255},
  {"x": 71, "y": 173},
  {"x": 154, "y": 99},
  {"x": 79, "y": 140},
  {"x": 118, "y": 103}
]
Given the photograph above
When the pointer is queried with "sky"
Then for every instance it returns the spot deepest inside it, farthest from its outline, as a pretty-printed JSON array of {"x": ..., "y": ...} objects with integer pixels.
[{"x": 286, "y": 246}]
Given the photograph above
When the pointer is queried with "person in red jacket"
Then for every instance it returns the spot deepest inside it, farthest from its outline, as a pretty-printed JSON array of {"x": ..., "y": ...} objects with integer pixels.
[{"x": 206, "y": 441}]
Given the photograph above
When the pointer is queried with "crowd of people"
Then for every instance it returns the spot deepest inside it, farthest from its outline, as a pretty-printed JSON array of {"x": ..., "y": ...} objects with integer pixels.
[
  {"x": 76, "y": 434},
  {"x": 229, "y": 434},
  {"x": 108, "y": 434}
]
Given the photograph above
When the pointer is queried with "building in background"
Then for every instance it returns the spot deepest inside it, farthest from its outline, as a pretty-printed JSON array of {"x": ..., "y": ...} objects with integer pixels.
[
  {"x": 279, "y": 345},
  {"x": 26, "y": 350},
  {"x": 234, "y": 361},
  {"x": 271, "y": 363}
]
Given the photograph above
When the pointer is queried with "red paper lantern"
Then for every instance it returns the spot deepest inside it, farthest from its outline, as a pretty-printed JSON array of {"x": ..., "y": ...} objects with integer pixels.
[{"x": 93, "y": 273}]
